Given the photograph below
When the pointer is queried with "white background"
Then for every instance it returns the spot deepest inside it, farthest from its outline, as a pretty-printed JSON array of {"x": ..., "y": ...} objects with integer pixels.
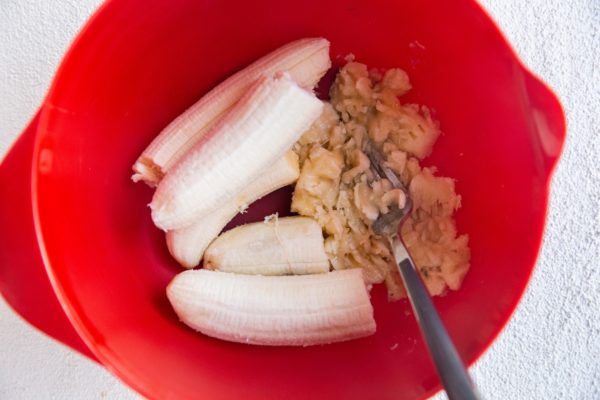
[{"x": 551, "y": 347}]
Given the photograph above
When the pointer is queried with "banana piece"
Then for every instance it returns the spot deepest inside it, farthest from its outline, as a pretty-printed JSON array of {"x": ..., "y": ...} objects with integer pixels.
[
  {"x": 253, "y": 135},
  {"x": 306, "y": 61},
  {"x": 278, "y": 246},
  {"x": 187, "y": 245},
  {"x": 296, "y": 310}
]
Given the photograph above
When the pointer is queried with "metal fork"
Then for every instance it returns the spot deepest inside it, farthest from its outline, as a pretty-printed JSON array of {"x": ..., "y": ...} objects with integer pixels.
[{"x": 451, "y": 370}]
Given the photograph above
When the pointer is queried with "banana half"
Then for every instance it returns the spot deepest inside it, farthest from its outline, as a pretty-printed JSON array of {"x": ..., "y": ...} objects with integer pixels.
[{"x": 295, "y": 310}]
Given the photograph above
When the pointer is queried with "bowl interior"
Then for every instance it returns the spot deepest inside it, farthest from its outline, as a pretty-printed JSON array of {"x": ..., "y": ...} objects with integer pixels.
[{"x": 138, "y": 65}]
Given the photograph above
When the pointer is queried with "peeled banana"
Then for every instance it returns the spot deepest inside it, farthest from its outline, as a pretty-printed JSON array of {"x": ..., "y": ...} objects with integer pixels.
[
  {"x": 254, "y": 134},
  {"x": 187, "y": 244},
  {"x": 297, "y": 310},
  {"x": 277, "y": 246},
  {"x": 305, "y": 60}
]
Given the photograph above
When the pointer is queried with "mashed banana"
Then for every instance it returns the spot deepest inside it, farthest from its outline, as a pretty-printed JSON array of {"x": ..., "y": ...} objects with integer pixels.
[{"x": 337, "y": 187}]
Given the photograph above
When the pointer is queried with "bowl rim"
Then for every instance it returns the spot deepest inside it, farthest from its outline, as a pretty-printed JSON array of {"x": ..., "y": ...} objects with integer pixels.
[{"x": 112, "y": 361}]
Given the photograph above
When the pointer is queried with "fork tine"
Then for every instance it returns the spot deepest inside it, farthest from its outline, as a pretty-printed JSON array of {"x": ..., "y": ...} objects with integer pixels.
[
  {"x": 374, "y": 160},
  {"x": 378, "y": 166},
  {"x": 387, "y": 224}
]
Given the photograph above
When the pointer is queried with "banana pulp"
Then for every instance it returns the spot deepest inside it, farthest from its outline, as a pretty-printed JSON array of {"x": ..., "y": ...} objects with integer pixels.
[{"x": 337, "y": 187}]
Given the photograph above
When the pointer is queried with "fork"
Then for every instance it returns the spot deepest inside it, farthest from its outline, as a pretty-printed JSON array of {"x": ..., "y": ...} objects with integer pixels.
[{"x": 451, "y": 370}]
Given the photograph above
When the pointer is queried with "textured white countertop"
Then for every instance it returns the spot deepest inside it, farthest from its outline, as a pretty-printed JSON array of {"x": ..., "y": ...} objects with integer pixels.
[{"x": 551, "y": 347}]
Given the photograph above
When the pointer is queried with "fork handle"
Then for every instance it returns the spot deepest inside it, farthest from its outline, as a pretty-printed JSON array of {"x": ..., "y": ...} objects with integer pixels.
[{"x": 450, "y": 368}]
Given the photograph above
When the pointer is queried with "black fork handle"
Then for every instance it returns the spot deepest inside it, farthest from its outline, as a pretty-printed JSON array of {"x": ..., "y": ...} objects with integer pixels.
[{"x": 450, "y": 368}]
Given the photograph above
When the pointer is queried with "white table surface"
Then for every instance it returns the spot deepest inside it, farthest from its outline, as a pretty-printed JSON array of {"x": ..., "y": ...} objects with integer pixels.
[{"x": 551, "y": 347}]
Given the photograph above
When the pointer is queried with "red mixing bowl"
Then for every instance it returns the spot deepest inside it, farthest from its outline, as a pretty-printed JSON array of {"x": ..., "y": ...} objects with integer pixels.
[{"x": 138, "y": 64}]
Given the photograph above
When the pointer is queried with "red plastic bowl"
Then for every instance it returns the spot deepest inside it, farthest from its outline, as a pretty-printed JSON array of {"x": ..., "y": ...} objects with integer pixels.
[{"x": 138, "y": 64}]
